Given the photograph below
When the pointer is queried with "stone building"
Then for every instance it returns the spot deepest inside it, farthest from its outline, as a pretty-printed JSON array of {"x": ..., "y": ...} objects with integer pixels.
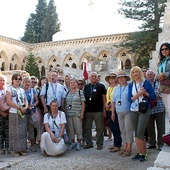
[{"x": 100, "y": 54}]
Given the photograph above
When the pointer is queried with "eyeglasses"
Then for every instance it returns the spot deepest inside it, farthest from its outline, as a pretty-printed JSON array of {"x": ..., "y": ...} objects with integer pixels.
[
  {"x": 34, "y": 82},
  {"x": 164, "y": 49},
  {"x": 17, "y": 78},
  {"x": 61, "y": 80},
  {"x": 80, "y": 84}
]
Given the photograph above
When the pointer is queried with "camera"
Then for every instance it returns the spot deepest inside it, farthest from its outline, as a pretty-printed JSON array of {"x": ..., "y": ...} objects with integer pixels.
[
  {"x": 70, "y": 106},
  {"x": 119, "y": 102}
]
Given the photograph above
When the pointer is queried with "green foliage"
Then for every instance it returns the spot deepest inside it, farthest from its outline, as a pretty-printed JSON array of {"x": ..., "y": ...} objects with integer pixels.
[
  {"x": 32, "y": 66},
  {"x": 43, "y": 24},
  {"x": 51, "y": 23},
  {"x": 150, "y": 12}
]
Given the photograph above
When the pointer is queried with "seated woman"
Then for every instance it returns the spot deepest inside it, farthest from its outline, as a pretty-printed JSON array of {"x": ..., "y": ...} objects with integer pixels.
[{"x": 52, "y": 143}]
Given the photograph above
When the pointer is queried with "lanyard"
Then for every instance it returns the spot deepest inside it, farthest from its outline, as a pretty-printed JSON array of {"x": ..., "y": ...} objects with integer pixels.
[
  {"x": 54, "y": 89},
  {"x": 92, "y": 88},
  {"x": 121, "y": 91}
]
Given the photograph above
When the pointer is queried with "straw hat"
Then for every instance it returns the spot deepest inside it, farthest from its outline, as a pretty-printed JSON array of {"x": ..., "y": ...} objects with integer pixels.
[
  {"x": 123, "y": 74},
  {"x": 110, "y": 75}
]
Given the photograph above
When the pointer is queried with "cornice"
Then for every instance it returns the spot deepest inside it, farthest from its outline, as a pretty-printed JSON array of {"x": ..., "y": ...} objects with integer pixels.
[
  {"x": 14, "y": 42},
  {"x": 80, "y": 41}
]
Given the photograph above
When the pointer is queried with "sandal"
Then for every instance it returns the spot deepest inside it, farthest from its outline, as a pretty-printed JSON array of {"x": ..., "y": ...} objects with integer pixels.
[
  {"x": 126, "y": 153},
  {"x": 45, "y": 154},
  {"x": 110, "y": 148},
  {"x": 121, "y": 153},
  {"x": 115, "y": 149}
]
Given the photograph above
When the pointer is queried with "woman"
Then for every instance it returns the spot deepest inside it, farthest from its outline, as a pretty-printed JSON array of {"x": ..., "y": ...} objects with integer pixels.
[
  {"x": 16, "y": 99},
  {"x": 164, "y": 75},
  {"x": 74, "y": 109},
  {"x": 139, "y": 90},
  {"x": 114, "y": 126},
  {"x": 40, "y": 127},
  {"x": 4, "y": 118},
  {"x": 52, "y": 142},
  {"x": 121, "y": 105},
  {"x": 32, "y": 103}
]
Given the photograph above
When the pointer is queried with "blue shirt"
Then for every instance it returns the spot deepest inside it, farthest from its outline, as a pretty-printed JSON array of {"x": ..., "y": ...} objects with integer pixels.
[{"x": 120, "y": 95}]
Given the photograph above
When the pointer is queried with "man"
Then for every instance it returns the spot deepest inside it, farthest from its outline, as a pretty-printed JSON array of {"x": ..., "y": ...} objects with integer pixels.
[
  {"x": 95, "y": 95},
  {"x": 61, "y": 81},
  {"x": 52, "y": 91},
  {"x": 157, "y": 115}
]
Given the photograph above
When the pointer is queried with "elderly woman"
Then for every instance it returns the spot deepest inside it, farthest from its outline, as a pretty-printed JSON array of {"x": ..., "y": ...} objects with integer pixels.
[
  {"x": 52, "y": 143},
  {"x": 4, "y": 117},
  {"x": 164, "y": 75},
  {"x": 16, "y": 99},
  {"x": 74, "y": 109},
  {"x": 32, "y": 103},
  {"x": 114, "y": 125},
  {"x": 139, "y": 91},
  {"x": 121, "y": 105}
]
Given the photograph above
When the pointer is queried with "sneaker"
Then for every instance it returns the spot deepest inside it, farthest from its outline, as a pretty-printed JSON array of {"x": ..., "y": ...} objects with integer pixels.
[
  {"x": 71, "y": 146},
  {"x": 23, "y": 153},
  {"x": 2, "y": 152},
  {"x": 16, "y": 154},
  {"x": 108, "y": 140},
  {"x": 136, "y": 157},
  {"x": 143, "y": 157},
  {"x": 33, "y": 149},
  {"x": 7, "y": 151},
  {"x": 88, "y": 146},
  {"x": 160, "y": 148},
  {"x": 78, "y": 147}
]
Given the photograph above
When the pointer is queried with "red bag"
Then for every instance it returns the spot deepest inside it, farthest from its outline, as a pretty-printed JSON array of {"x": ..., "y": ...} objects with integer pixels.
[{"x": 166, "y": 138}]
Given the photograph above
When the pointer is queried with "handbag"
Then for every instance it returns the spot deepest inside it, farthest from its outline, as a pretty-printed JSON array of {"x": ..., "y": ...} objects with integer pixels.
[
  {"x": 143, "y": 106},
  {"x": 153, "y": 103},
  {"x": 164, "y": 86},
  {"x": 166, "y": 138},
  {"x": 66, "y": 139}
]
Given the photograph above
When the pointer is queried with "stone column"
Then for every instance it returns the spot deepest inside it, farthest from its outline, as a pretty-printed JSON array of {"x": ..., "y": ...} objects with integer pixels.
[{"x": 164, "y": 36}]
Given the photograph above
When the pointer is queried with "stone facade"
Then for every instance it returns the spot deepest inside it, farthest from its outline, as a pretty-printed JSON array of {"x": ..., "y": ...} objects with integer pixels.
[
  {"x": 164, "y": 36},
  {"x": 100, "y": 53}
]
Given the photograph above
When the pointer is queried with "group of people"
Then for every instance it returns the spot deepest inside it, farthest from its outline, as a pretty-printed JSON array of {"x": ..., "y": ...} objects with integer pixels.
[{"x": 43, "y": 111}]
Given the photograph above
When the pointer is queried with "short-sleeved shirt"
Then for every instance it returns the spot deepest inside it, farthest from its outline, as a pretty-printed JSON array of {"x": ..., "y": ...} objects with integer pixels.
[
  {"x": 94, "y": 97},
  {"x": 30, "y": 94},
  {"x": 60, "y": 119},
  {"x": 54, "y": 91},
  {"x": 18, "y": 96},
  {"x": 75, "y": 102},
  {"x": 120, "y": 98}
]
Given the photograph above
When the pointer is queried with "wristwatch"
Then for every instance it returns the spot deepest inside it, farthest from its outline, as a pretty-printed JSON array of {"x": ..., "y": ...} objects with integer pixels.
[{"x": 59, "y": 138}]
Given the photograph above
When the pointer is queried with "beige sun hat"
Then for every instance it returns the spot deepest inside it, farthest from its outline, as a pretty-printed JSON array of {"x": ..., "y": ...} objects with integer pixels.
[
  {"x": 110, "y": 75},
  {"x": 123, "y": 74}
]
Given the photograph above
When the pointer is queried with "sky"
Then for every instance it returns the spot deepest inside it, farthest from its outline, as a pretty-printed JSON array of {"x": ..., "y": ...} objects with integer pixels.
[{"x": 78, "y": 18}]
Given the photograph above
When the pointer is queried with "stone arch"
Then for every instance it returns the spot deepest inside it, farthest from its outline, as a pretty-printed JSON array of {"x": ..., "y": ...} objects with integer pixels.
[
  {"x": 128, "y": 64},
  {"x": 86, "y": 57},
  {"x": 4, "y": 61},
  {"x": 53, "y": 62},
  {"x": 104, "y": 55},
  {"x": 41, "y": 64},
  {"x": 24, "y": 62},
  {"x": 124, "y": 59},
  {"x": 70, "y": 61},
  {"x": 15, "y": 62}
]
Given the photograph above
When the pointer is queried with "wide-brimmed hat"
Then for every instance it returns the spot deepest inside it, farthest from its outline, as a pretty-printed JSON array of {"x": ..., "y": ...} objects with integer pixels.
[
  {"x": 123, "y": 74},
  {"x": 110, "y": 75}
]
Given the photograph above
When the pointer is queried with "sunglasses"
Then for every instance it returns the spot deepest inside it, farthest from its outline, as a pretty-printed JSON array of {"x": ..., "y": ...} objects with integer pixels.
[
  {"x": 80, "y": 84},
  {"x": 34, "y": 82},
  {"x": 17, "y": 79},
  {"x": 164, "y": 49},
  {"x": 61, "y": 80}
]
